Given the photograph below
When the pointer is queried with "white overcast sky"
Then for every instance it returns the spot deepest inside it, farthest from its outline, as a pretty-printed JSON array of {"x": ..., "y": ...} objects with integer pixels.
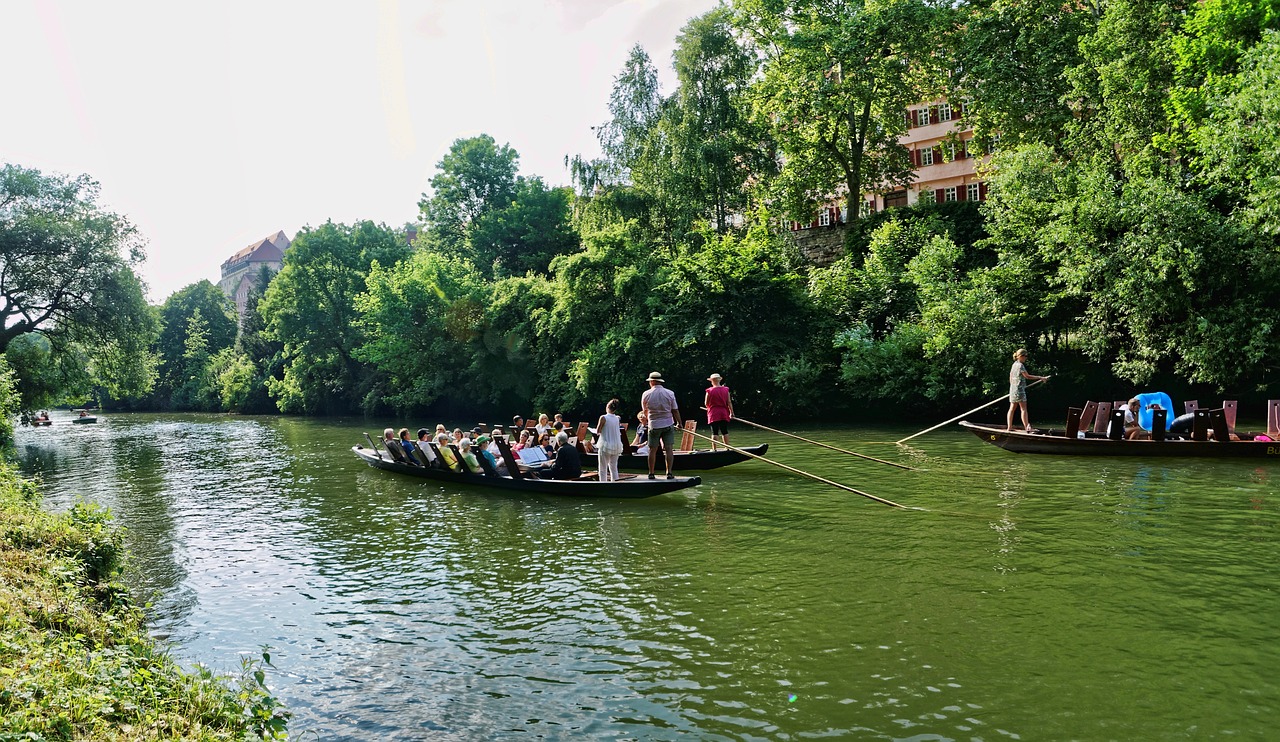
[{"x": 212, "y": 125}]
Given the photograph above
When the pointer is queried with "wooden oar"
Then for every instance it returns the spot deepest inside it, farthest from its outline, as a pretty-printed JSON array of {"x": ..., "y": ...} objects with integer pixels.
[
  {"x": 824, "y": 445},
  {"x": 970, "y": 412},
  {"x": 793, "y": 470}
]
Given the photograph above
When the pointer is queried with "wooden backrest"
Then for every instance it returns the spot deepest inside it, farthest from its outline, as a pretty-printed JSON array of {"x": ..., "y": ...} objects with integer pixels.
[
  {"x": 462, "y": 463},
  {"x": 1159, "y": 424},
  {"x": 1218, "y": 421},
  {"x": 488, "y": 468},
  {"x": 686, "y": 439},
  {"x": 414, "y": 455},
  {"x": 1273, "y": 417},
  {"x": 1229, "y": 409},
  {"x": 584, "y": 439},
  {"x": 1102, "y": 418},
  {"x": 1190, "y": 406},
  {"x": 435, "y": 448},
  {"x": 1073, "y": 421},
  {"x": 513, "y": 468},
  {"x": 1087, "y": 415},
  {"x": 373, "y": 445},
  {"x": 397, "y": 453},
  {"x": 1200, "y": 425},
  {"x": 1116, "y": 429}
]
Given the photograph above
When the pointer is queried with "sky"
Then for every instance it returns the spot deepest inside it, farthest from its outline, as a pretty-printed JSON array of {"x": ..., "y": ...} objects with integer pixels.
[{"x": 213, "y": 125}]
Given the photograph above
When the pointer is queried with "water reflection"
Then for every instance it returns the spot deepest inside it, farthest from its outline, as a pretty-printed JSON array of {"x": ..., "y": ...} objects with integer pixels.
[{"x": 759, "y": 605}]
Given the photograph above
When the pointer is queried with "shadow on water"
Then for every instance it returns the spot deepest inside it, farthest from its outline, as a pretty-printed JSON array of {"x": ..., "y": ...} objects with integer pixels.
[{"x": 758, "y": 605}]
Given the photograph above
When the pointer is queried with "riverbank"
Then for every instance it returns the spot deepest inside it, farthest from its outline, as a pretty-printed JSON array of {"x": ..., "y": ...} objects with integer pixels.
[{"x": 76, "y": 662}]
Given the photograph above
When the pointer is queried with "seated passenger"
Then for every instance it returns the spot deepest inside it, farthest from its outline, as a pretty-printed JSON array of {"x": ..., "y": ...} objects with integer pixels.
[
  {"x": 469, "y": 457},
  {"x": 446, "y": 454},
  {"x": 521, "y": 442},
  {"x": 568, "y": 463},
  {"x": 1132, "y": 429},
  {"x": 407, "y": 446},
  {"x": 427, "y": 454},
  {"x": 544, "y": 424},
  {"x": 641, "y": 441},
  {"x": 517, "y": 422},
  {"x": 482, "y": 447}
]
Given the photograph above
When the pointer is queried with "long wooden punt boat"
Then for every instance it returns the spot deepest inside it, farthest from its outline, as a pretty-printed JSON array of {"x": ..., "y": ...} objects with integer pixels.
[
  {"x": 1057, "y": 442},
  {"x": 631, "y": 487},
  {"x": 696, "y": 460}
]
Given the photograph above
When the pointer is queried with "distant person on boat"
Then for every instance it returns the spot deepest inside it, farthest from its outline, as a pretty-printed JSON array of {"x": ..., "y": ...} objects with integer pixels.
[
  {"x": 659, "y": 405},
  {"x": 719, "y": 410},
  {"x": 558, "y": 424},
  {"x": 1018, "y": 389},
  {"x": 609, "y": 447},
  {"x": 517, "y": 423},
  {"x": 521, "y": 442},
  {"x": 406, "y": 444},
  {"x": 568, "y": 463},
  {"x": 641, "y": 439},
  {"x": 83, "y": 413},
  {"x": 1133, "y": 430}
]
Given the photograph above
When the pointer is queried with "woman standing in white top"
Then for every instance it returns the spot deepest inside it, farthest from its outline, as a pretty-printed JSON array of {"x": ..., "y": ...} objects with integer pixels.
[{"x": 609, "y": 446}]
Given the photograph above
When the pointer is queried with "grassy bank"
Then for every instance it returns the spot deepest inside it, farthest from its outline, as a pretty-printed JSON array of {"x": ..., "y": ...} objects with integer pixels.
[{"x": 76, "y": 662}]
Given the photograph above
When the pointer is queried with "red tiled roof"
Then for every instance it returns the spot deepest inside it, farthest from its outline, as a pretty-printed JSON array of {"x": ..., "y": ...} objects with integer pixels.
[{"x": 270, "y": 249}]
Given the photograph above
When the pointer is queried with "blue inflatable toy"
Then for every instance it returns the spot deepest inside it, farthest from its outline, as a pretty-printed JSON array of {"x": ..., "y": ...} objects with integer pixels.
[{"x": 1144, "y": 412}]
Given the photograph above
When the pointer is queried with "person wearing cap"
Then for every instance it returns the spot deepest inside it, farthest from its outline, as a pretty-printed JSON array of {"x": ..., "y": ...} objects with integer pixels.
[
  {"x": 659, "y": 405},
  {"x": 424, "y": 445},
  {"x": 482, "y": 449},
  {"x": 719, "y": 410}
]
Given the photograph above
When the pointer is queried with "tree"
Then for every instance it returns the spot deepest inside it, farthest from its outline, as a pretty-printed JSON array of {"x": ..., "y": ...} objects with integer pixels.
[
  {"x": 837, "y": 79},
  {"x": 67, "y": 273},
  {"x": 310, "y": 309},
  {"x": 635, "y": 104},
  {"x": 525, "y": 234},
  {"x": 476, "y": 176},
  {"x": 218, "y": 325},
  {"x": 715, "y": 148}
]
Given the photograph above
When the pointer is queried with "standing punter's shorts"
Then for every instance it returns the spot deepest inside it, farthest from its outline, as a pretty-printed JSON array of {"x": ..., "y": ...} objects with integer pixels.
[
  {"x": 667, "y": 436},
  {"x": 720, "y": 427}
]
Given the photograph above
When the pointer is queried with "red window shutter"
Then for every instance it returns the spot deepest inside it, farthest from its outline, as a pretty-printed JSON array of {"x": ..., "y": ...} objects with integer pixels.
[
  {"x": 835, "y": 215},
  {"x": 960, "y": 192},
  {"x": 937, "y": 196},
  {"x": 933, "y": 114},
  {"x": 937, "y": 155},
  {"x": 982, "y": 191},
  {"x": 915, "y": 117},
  {"x": 915, "y": 158}
]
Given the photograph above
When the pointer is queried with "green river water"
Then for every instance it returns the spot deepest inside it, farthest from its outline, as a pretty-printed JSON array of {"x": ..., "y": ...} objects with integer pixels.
[{"x": 1036, "y": 598}]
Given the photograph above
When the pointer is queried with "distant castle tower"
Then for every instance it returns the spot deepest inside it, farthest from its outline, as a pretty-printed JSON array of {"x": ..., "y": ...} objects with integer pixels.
[{"x": 241, "y": 270}]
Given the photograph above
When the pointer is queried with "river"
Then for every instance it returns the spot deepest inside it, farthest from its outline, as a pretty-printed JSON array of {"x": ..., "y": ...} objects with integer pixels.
[{"x": 1032, "y": 598}]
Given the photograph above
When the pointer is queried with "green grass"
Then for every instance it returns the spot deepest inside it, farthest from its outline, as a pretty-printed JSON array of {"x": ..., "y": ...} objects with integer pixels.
[{"x": 76, "y": 662}]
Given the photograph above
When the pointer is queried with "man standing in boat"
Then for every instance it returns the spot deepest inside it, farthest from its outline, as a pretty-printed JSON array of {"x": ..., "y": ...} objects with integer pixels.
[
  {"x": 719, "y": 410},
  {"x": 659, "y": 405}
]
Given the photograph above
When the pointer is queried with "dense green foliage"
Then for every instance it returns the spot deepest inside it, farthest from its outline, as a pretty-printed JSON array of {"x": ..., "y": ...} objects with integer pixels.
[
  {"x": 1131, "y": 227},
  {"x": 77, "y": 661}
]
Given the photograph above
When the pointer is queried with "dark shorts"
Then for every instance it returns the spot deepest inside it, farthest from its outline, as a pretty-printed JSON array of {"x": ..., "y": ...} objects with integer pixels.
[
  {"x": 666, "y": 436},
  {"x": 720, "y": 427}
]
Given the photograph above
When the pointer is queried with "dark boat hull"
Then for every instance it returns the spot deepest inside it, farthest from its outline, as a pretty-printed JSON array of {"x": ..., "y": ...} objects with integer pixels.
[
  {"x": 84, "y": 420},
  {"x": 1060, "y": 445},
  {"x": 629, "y": 488},
  {"x": 699, "y": 460}
]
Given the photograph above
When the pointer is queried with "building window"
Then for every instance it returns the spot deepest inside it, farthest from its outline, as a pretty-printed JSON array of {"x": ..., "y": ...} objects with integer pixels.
[
  {"x": 824, "y": 218},
  {"x": 944, "y": 112},
  {"x": 926, "y": 157},
  {"x": 865, "y": 209},
  {"x": 923, "y": 116},
  {"x": 895, "y": 199},
  {"x": 995, "y": 144},
  {"x": 949, "y": 194},
  {"x": 973, "y": 192}
]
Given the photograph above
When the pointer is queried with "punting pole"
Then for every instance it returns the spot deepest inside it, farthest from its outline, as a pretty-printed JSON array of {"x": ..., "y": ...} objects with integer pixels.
[
  {"x": 824, "y": 445},
  {"x": 793, "y": 470},
  {"x": 970, "y": 412}
]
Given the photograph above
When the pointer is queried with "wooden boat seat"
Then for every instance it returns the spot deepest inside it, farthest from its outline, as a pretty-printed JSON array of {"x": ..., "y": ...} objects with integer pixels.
[
  {"x": 462, "y": 464},
  {"x": 686, "y": 440},
  {"x": 513, "y": 467},
  {"x": 1073, "y": 421},
  {"x": 1229, "y": 410},
  {"x": 488, "y": 468},
  {"x": 1190, "y": 406},
  {"x": 1273, "y": 418},
  {"x": 435, "y": 448},
  {"x": 1102, "y": 418}
]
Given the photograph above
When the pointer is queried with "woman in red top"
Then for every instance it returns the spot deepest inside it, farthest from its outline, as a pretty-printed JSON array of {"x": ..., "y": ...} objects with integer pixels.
[{"x": 719, "y": 410}]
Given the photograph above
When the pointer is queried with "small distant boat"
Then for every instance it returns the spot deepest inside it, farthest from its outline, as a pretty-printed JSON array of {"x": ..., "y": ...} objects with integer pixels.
[
  {"x": 38, "y": 421},
  {"x": 1057, "y": 442},
  {"x": 83, "y": 419}
]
